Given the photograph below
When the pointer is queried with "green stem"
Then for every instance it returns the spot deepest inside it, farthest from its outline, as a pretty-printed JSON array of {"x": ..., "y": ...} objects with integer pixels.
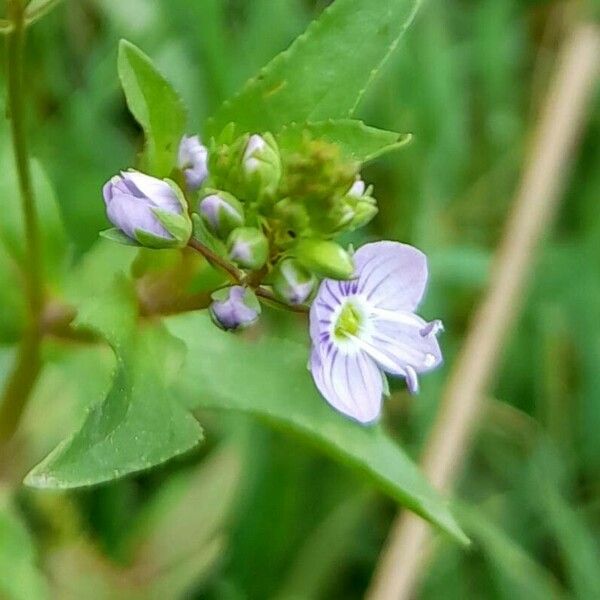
[
  {"x": 27, "y": 365},
  {"x": 214, "y": 259}
]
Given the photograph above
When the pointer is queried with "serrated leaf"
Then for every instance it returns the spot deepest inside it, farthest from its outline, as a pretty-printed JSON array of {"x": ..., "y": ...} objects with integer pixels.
[
  {"x": 356, "y": 140},
  {"x": 268, "y": 378},
  {"x": 324, "y": 72},
  {"x": 156, "y": 107}
]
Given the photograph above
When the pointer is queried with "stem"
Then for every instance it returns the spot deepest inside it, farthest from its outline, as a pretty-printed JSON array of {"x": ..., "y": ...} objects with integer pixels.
[
  {"x": 27, "y": 363},
  {"x": 267, "y": 295},
  {"x": 214, "y": 259},
  {"x": 238, "y": 276}
]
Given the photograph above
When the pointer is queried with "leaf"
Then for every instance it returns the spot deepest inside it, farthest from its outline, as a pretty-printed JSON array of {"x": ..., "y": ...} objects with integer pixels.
[
  {"x": 36, "y": 9},
  {"x": 523, "y": 576},
  {"x": 357, "y": 141},
  {"x": 268, "y": 378},
  {"x": 20, "y": 578},
  {"x": 54, "y": 244},
  {"x": 324, "y": 72},
  {"x": 156, "y": 107},
  {"x": 139, "y": 424}
]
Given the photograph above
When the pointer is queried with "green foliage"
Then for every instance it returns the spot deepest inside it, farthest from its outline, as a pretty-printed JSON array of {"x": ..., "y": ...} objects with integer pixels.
[
  {"x": 355, "y": 37},
  {"x": 140, "y": 423},
  {"x": 20, "y": 578},
  {"x": 358, "y": 142},
  {"x": 156, "y": 107},
  {"x": 291, "y": 401}
]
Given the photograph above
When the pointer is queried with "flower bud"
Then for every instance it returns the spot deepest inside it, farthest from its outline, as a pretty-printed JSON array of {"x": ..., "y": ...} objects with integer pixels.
[
  {"x": 234, "y": 308},
  {"x": 148, "y": 211},
  {"x": 192, "y": 159},
  {"x": 292, "y": 282},
  {"x": 325, "y": 258},
  {"x": 248, "y": 247},
  {"x": 221, "y": 212},
  {"x": 359, "y": 206},
  {"x": 261, "y": 164}
]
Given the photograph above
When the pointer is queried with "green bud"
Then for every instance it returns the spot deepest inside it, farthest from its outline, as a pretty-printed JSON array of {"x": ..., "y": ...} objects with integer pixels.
[
  {"x": 325, "y": 258},
  {"x": 261, "y": 165},
  {"x": 292, "y": 282},
  {"x": 248, "y": 247},
  {"x": 221, "y": 212}
]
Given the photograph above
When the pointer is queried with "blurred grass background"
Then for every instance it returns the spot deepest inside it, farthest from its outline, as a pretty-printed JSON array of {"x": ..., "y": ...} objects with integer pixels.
[{"x": 467, "y": 81}]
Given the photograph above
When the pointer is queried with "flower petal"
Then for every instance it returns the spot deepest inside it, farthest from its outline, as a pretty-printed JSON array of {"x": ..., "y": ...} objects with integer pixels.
[
  {"x": 129, "y": 214},
  {"x": 391, "y": 275},
  {"x": 399, "y": 345},
  {"x": 351, "y": 383}
]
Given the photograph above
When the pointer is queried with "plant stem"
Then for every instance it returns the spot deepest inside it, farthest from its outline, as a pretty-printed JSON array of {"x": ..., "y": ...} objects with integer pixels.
[
  {"x": 214, "y": 259},
  {"x": 267, "y": 295},
  {"x": 238, "y": 276},
  {"x": 27, "y": 363}
]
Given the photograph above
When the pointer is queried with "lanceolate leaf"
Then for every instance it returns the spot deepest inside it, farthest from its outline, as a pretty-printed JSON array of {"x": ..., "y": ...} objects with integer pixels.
[
  {"x": 155, "y": 105},
  {"x": 325, "y": 71},
  {"x": 140, "y": 423},
  {"x": 268, "y": 378},
  {"x": 357, "y": 141}
]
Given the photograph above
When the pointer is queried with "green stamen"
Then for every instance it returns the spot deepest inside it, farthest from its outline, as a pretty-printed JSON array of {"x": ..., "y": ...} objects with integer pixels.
[{"x": 348, "y": 322}]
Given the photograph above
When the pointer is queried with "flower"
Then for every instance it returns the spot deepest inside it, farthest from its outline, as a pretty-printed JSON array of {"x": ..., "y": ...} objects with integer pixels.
[
  {"x": 235, "y": 307},
  {"x": 147, "y": 210},
  {"x": 192, "y": 159},
  {"x": 365, "y": 327}
]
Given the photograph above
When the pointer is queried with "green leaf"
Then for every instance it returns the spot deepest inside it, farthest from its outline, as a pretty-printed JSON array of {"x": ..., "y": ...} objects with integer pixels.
[
  {"x": 324, "y": 72},
  {"x": 357, "y": 141},
  {"x": 522, "y": 575},
  {"x": 36, "y": 9},
  {"x": 155, "y": 105},
  {"x": 268, "y": 378},
  {"x": 116, "y": 235},
  {"x": 140, "y": 423},
  {"x": 55, "y": 249},
  {"x": 20, "y": 578}
]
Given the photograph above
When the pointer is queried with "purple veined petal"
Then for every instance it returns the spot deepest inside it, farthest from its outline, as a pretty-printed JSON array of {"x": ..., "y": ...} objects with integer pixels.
[
  {"x": 159, "y": 192},
  {"x": 391, "y": 275},
  {"x": 351, "y": 383},
  {"x": 397, "y": 345},
  {"x": 129, "y": 214}
]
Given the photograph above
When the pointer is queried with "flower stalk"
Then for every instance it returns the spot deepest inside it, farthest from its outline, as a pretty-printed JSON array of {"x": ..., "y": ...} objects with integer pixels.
[{"x": 27, "y": 365}]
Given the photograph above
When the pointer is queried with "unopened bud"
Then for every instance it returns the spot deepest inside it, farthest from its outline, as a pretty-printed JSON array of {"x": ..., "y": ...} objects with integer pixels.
[
  {"x": 248, "y": 247},
  {"x": 192, "y": 159},
  {"x": 261, "y": 163},
  {"x": 234, "y": 308},
  {"x": 292, "y": 282},
  {"x": 325, "y": 258},
  {"x": 221, "y": 212},
  {"x": 147, "y": 211}
]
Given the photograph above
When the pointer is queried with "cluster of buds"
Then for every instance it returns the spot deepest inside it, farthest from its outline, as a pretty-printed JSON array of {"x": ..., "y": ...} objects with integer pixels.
[{"x": 273, "y": 213}]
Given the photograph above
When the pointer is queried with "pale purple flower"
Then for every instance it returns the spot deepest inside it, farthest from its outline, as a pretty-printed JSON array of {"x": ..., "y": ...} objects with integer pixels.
[
  {"x": 234, "y": 308},
  {"x": 365, "y": 327},
  {"x": 131, "y": 199},
  {"x": 192, "y": 159}
]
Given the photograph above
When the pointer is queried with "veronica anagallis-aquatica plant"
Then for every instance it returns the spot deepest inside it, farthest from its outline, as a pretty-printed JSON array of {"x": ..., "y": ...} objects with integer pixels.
[{"x": 212, "y": 232}]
